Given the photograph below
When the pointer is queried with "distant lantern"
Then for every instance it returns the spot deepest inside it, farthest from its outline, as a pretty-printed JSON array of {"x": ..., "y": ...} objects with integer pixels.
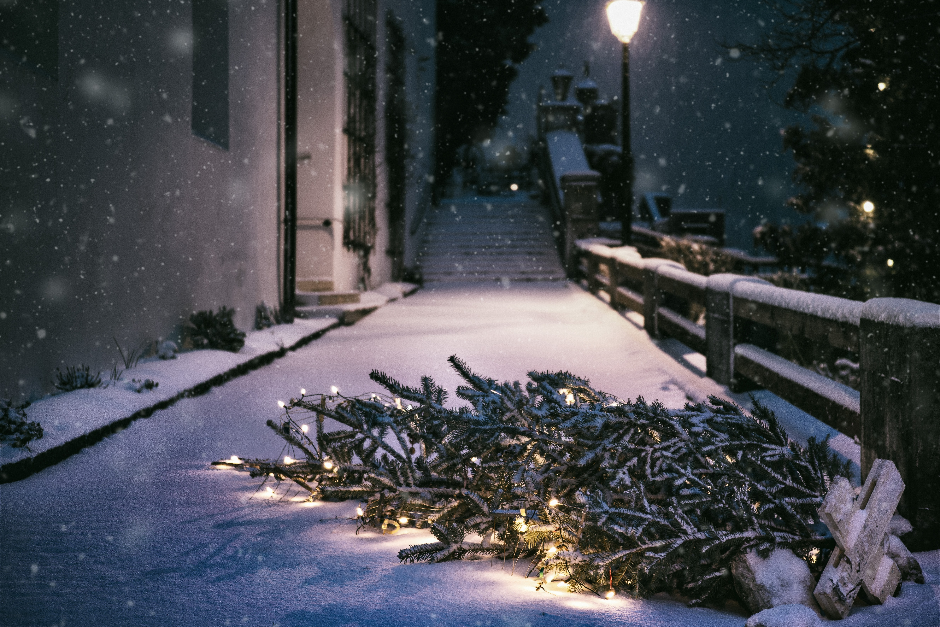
[
  {"x": 882, "y": 86},
  {"x": 624, "y": 18},
  {"x": 868, "y": 206}
]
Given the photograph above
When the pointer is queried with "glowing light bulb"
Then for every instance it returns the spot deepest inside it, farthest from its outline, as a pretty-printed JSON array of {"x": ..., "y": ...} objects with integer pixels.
[
  {"x": 334, "y": 390},
  {"x": 890, "y": 263},
  {"x": 610, "y": 594},
  {"x": 514, "y": 187},
  {"x": 553, "y": 503},
  {"x": 305, "y": 428},
  {"x": 569, "y": 400},
  {"x": 552, "y": 550},
  {"x": 280, "y": 404},
  {"x": 398, "y": 403},
  {"x": 868, "y": 206},
  {"x": 403, "y": 520},
  {"x": 882, "y": 86},
  {"x": 475, "y": 460},
  {"x": 269, "y": 491},
  {"x": 328, "y": 464},
  {"x": 410, "y": 408},
  {"x": 234, "y": 459},
  {"x": 359, "y": 512},
  {"x": 289, "y": 460},
  {"x": 562, "y": 584},
  {"x": 303, "y": 392}
]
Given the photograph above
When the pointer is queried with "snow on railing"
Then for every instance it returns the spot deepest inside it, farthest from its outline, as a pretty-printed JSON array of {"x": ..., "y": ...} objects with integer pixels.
[{"x": 894, "y": 413}]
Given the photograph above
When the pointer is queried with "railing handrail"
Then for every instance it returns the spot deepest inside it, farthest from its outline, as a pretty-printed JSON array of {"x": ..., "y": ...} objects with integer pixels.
[{"x": 893, "y": 413}]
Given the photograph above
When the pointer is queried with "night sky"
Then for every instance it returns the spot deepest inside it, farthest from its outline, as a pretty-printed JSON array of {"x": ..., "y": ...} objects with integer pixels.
[{"x": 706, "y": 128}]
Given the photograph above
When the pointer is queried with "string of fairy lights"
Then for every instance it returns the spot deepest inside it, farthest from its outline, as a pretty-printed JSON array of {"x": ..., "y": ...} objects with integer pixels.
[{"x": 523, "y": 518}]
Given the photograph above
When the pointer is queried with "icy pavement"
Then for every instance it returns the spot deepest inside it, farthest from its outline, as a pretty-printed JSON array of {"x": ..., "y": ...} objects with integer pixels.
[{"x": 139, "y": 530}]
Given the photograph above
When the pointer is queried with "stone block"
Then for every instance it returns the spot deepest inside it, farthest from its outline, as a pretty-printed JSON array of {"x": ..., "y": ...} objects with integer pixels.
[{"x": 780, "y": 579}]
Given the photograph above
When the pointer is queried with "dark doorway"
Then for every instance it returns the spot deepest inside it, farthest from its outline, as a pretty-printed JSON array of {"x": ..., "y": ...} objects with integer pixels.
[
  {"x": 359, "y": 226},
  {"x": 396, "y": 143}
]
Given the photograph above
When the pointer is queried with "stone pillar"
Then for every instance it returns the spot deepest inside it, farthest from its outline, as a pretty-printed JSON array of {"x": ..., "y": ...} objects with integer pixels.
[
  {"x": 719, "y": 325},
  {"x": 652, "y": 296},
  {"x": 579, "y": 191},
  {"x": 899, "y": 346}
]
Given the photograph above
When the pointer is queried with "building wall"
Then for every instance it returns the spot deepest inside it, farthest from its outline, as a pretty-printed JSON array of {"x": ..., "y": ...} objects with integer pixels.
[{"x": 117, "y": 222}]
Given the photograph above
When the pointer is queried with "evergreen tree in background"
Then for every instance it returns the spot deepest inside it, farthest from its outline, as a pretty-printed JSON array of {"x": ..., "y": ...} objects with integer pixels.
[
  {"x": 480, "y": 43},
  {"x": 598, "y": 493},
  {"x": 867, "y": 160}
]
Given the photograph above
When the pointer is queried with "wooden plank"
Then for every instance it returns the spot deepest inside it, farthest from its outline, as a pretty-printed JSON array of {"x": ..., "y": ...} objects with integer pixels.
[
  {"x": 836, "y": 333},
  {"x": 629, "y": 271},
  {"x": 681, "y": 328},
  {"x": 629, "y": 299},
  {"x": 683, "y": 289},
  {"x": 829, "y": 401}
]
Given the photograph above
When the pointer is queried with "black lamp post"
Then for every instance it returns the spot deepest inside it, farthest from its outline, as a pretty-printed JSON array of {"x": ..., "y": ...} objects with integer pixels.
[{"x": 624, "y": 18}]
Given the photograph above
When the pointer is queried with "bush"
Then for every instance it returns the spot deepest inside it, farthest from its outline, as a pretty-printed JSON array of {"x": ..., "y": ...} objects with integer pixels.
[
  {"x": 15, "y": 430},
  {"x": 267, "y": 317},
  {"x": 76, "y": 378},
  {"x": 206, "y": 329}
]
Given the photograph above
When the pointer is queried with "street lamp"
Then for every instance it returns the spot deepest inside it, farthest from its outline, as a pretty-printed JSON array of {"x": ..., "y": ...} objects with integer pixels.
[{"x": 624, "y": 18}]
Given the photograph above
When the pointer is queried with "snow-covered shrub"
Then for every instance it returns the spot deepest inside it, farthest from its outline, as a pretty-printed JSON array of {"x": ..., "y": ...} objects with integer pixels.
[
  {"x": 267, "y": 317},
  {"x": 15, "y": 429},
  {"x": 76, "y": 378},
  {"x": 139, "y": 385},
  {"x": 695, "y": 256},
  {"x": 596, "y": 491},
  {"x": 207, "y": 329}
]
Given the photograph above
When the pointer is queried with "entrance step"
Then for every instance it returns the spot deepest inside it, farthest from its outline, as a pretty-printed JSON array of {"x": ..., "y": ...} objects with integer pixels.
[
  {"x": 327, "y": 298},
  {"x": 314, "y": 285}
]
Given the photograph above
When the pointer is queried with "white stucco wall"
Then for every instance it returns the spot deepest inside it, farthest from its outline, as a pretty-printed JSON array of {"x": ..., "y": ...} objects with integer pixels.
[{"x": 116, "y": 220}]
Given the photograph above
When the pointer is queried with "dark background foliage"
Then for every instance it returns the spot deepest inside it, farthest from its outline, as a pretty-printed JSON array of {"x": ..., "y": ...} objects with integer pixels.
[
  {"x": 868, "y": 79},
  {"x": 480, "y": 45}
]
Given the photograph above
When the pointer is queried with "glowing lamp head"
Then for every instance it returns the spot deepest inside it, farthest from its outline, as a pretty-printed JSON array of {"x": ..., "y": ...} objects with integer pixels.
[
  {"x": 359, "y": 512},
  {"x": 281, "y": 404},
  {"x": 514, "y": 187},
  {"x": 882, "y": 86},
  {"x": 610, "y": 594},
  {"x": 553, "y": 503},
  {"x": 868, "y": 206},
  {"x": 624, "y": 18},
  {"x": 552, "y": 550},
  {"x": 327, "y": 464},
  {"x": 234, "y": 459},
  {"x": 305, "y": 428},
  {"x": 288, "y": 460},
  {"x": 303, "y": 392},
  {"x": 890, "y": 263},
  {"x": 334, "y": 390},
  {"x": 403, "y": 520}
]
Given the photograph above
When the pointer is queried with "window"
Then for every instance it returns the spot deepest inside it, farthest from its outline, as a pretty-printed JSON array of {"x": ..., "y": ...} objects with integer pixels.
[
  {"x": 210, "y": 117},
  {"x": 359, "y": 227}
]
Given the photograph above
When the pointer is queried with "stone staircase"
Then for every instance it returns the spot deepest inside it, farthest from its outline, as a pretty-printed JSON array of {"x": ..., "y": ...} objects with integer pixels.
[{"x": 481, "y": 240}]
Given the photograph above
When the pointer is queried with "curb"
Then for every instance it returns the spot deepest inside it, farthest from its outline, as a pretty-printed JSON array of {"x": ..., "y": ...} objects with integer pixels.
[{"x": 31, "y": 463}]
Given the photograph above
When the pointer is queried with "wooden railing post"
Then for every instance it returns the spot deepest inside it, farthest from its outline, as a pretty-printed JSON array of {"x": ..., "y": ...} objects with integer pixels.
[
  {"x": 613, "y": 282},
  {"x": 579, "y": 212},
  {"x": 899, "y": 346},
  {"x": 719, "y": 326},
  {"x": 652, "y": 295}
]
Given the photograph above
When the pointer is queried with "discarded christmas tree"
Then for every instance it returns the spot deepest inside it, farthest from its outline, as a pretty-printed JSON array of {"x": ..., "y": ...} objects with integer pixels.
[{"x": 597, "y": 492}]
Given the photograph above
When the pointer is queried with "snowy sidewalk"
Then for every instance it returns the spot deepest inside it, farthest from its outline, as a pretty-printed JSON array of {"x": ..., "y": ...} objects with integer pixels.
[{"x": 139, "y": 529}]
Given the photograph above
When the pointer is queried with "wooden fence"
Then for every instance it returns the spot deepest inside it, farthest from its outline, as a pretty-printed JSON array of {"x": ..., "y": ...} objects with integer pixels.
[{"x": 895, "y": 413}]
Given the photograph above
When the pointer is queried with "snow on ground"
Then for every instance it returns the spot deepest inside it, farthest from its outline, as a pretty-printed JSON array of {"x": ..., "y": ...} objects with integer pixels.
[{"x": 139, "y": 530}]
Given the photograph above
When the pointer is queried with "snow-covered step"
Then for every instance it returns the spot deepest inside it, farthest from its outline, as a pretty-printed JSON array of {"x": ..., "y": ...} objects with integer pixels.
[{"x": 486, "y": 241}]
